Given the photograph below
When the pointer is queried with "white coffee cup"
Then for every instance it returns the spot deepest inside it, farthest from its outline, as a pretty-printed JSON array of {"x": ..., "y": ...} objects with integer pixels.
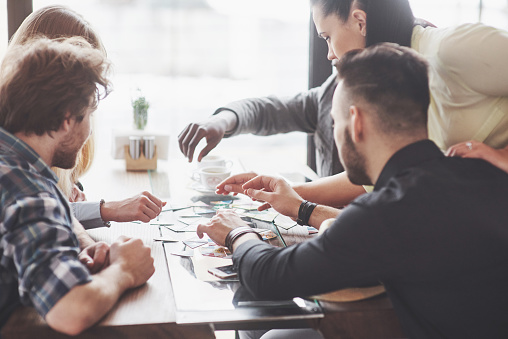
[
  {"x": 214, "y": 161},
  {"x": 210, "y": 177}
]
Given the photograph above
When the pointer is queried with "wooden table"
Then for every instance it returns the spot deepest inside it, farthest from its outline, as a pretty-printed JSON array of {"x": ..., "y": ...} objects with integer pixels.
[{"x": 149, "y": 311}]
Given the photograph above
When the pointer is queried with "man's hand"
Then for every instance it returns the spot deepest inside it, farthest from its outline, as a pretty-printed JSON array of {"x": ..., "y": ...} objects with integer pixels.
[
  {"x": 134, "y": 258},
  {"x": 95, "y": 257},
  {"x": 143, "y": 207},
  {"x": 276, "y": 192},
  {"x": 212, "y": 129},
  {"x": 131, "y": 265},
  {"x": 220, "y": 225},
  {"x": 234, "y": 183}
]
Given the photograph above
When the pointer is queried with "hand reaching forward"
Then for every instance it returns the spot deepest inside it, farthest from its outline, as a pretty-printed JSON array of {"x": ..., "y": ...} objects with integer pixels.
[
  {"x": 234, "y": 183},
  {"x": 143, "y": 207},
  {"x": 276, "y": 192},
  {"x": 212, "y": 129},
  {"x": 220, "y": 225}
]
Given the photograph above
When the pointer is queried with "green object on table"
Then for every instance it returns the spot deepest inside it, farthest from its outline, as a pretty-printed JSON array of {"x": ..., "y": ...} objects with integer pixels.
[{"x": 140, "y": 110}]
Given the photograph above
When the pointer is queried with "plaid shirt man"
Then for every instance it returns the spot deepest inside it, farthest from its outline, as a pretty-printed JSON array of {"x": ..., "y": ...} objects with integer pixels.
[{"x": 38, "y": 249}]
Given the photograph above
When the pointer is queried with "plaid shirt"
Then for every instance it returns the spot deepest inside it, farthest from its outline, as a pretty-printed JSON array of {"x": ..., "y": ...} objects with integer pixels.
[{"x": 38, "y": 249}]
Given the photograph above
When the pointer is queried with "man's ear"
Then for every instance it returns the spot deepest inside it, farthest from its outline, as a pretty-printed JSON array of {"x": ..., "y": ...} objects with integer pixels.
[
  {"x": 357, "y": 124},
  {"x": 360, "y": 21},
  {"x": 66, "y": 123}
]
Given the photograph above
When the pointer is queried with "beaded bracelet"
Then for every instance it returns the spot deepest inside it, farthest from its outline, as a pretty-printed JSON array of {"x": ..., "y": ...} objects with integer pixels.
[
  {"x": 235, "y": 233},
  {"x": 106, "y": 223}
]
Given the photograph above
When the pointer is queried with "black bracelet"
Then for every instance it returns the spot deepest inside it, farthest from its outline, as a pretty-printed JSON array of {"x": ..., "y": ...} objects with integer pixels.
[
  {"x": 235, "y": 233},
  {"x": 304, "y": 212},
  {"x": 309, "y": 211},
  {"x": 299, "y": 220}
]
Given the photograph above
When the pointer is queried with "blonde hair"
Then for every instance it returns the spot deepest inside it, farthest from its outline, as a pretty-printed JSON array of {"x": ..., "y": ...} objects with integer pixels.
[{"x": 55, "y": 22}]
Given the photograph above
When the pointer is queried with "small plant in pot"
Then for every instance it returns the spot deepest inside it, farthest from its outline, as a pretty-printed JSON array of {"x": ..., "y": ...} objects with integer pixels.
[{"x": 140, "y": 109}]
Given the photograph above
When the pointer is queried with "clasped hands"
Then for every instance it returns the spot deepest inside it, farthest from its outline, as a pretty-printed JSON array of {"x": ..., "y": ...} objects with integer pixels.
[
  {"x": 272, "y": 191},
  {"x": 130, "y": 253}
]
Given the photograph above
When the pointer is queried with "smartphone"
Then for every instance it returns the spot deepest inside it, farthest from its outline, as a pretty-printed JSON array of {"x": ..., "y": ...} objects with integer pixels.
[{"x": 223, "y": 272}]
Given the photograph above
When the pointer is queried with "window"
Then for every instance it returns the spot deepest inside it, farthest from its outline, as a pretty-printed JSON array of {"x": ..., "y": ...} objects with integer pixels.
[
  {"x": 495, "y": 13},
  {"x": 3, "y": 27},
  {"x": 453, "y": 12},
  {"x": 190, "y": 57}
]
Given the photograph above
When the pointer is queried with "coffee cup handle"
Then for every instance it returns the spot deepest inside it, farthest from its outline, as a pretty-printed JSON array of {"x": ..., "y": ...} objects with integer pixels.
[
  {"x": 228, "y": 164},
  {"x": 196, "y": 176}
]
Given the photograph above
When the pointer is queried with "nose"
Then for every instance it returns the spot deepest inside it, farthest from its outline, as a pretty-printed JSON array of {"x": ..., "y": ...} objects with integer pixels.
[{"x": 331, "y": 55}]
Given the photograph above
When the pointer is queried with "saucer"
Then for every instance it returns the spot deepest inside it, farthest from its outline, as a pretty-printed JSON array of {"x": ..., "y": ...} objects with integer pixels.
[{"x": 202, "y": 189}]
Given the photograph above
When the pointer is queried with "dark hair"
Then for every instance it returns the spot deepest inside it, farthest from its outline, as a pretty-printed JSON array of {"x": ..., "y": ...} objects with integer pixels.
[
  {"x": 393, "y": 81},
  {"x": 387, "y": 20},
  {"x": 44, "y": 80}
]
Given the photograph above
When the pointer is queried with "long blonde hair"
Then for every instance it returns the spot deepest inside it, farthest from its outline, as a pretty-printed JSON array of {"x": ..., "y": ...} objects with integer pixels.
[{"x": 55, "y": 22}]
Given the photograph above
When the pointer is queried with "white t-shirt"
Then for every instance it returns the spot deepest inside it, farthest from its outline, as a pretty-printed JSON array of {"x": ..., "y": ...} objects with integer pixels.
[{"x": 468, "y": 83}]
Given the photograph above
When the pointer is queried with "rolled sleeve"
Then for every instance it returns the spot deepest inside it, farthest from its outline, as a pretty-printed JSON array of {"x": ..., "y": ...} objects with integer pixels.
[
  {"x": 272, "y": 115},
  {"x": 44, "y": 250}
]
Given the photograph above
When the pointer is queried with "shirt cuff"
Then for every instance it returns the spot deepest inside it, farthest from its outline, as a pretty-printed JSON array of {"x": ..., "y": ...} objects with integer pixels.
[
  {"x": 233, "y": 131},
  {"x": 88, "y": 213}
]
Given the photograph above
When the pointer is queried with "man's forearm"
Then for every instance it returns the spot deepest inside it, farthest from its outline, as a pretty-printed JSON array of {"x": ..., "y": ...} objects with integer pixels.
[
  {"x": 85, "y": 304},
  {"x": 335, "y": 191},
  {"x": 322, "y": 213},
  {"x": 228, "y": 119}
]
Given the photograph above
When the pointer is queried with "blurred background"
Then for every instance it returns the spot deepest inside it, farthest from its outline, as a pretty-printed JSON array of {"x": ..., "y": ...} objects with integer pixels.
[{"x": 189, "y": 57}]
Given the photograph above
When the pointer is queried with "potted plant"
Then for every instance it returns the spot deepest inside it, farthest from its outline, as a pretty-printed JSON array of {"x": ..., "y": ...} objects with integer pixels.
[{"x": 140, "y": 109}]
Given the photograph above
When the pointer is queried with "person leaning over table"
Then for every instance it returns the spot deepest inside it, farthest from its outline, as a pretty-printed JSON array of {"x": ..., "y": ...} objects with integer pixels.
[
  {"x": 468, "y": 86},
  {"x": 48, "y": 92},
  {"x": 433, "y": 231},
  {"x": 58, "y": 21},
  {"x": 308, "y": 111}
]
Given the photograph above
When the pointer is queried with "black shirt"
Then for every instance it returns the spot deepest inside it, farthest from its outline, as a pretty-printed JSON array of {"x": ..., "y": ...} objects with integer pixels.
[{"x": 434, "y": 232}]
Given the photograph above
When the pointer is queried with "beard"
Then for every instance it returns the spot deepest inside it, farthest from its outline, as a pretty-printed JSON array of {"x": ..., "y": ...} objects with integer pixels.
[
  {"x": 353, "y": 161},
  {"x": 65, "y": 156}
]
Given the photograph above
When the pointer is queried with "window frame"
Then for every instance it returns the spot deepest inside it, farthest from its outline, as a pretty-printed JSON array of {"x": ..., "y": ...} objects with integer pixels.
[{"x": 17, "y": 11}]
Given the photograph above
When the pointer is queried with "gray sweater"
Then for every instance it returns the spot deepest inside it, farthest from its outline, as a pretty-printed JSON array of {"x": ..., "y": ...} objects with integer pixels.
[{"x": 307, "y": 112}]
